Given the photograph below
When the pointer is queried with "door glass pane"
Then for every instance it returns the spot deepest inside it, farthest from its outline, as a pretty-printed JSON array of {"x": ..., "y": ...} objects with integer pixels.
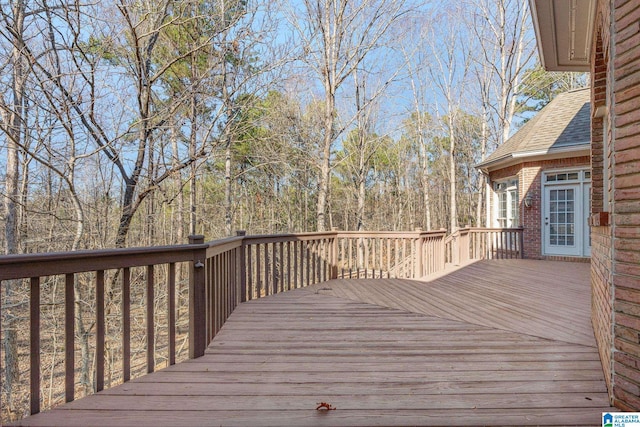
[
  {"x": 513, "y": 211},
  {"x": 561, "y": 218}
]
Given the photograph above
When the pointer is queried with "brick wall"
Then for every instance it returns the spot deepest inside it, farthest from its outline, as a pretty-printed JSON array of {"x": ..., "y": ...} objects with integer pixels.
[
  {"x": 601, "y": 291},
  {"x": 626, "y": 203},
  {"x": 530, "y": 218},
  {"x": 529, "y": 176},
  {"x": 601, "y": 262}
]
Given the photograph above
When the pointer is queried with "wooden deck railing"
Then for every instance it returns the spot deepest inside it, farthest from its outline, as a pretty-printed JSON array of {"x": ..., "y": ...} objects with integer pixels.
[
  {"x": 390, "y": 254},
  {"x": 68, "y": 266},
  {"x": 475, "y": 243},
  {"x": 277, "y": 263},
  {"x": 221, "y": 274}
]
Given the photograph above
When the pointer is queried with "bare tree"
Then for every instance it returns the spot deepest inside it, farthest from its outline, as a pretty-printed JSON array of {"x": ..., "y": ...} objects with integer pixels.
[
  {"x": 336, "y": 36},
  {"x": 449, "y": 74},
  {"x": 506, "y": 46},
  {"x": 12, "y": 110},
  {"x": 419, "y": 126}
]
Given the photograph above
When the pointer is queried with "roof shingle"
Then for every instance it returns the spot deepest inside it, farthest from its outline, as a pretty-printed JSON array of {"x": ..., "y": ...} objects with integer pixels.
[{"x": 564, "y": 122}]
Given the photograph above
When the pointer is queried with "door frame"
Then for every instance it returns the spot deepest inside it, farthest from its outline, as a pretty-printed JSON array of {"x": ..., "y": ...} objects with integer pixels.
[
  {"x": 586, "y": 204},
  {"x": 581, "y": 184}
]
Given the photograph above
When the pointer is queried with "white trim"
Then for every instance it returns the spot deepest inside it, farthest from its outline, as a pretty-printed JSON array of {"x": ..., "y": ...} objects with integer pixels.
[
  {"x": 578, "y": 146},
  {"x": 577, "y": 150},
  {"x": 512, "y": 183}
]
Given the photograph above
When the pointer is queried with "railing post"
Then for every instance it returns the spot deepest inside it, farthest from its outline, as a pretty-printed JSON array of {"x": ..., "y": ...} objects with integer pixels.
[
  {"x": 334, "y": 254},
  {"x": 464, "y": 244},
  {"x": 419, "y": 247},
  {"x": 521, "y": 242},
  {"x": 443, "y": 249},
  {"x": 197, "y": 303},
  {"x": 455, "y": 248},
  {"x": 243, "y": 268}
]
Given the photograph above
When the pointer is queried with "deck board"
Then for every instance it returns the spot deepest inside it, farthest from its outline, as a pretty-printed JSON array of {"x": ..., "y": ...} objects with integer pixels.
[
  {"x": 541, "y": 298},
  {"x": 469, "y": 348}
]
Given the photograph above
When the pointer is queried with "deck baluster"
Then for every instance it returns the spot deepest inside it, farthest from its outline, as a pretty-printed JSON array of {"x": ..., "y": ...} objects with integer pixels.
[
  {"x": 69, "y": 338},
  {"x": 34, "y": 306},
  {"x": 150, "y": 320},
  {"x": 171, "y": 308},
  {"x": 197, "y": 317},
  {"x": 126, "y": 324},
  {"x": 99, "y": 330}
]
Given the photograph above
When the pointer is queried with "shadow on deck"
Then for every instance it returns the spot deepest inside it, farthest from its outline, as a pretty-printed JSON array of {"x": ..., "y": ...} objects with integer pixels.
[{"x": 504, "y": 342}]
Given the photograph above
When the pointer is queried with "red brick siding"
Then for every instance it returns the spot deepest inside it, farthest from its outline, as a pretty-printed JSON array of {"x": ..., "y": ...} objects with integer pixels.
[
  {"x": 530, "y": 218},
  {"x": 597, "y": 192},
  {"x": 529, "y": 175},
  {"x": 601, "y": 264},
  {"x": 601, "y": 296},
  {"x": 626, "y": 204}
]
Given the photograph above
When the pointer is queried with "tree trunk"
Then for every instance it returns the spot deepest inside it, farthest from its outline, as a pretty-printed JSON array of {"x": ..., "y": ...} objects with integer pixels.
[
  {"x": 179, "y": 221},
  {"x": 325, "y": 166},
  {"x": 12, "y": 194},
  {"x": 228, "y": 215},
  {"x": 452, "y": 176},
  {"x": 481, "y": 183},
  {"x": 425, "y": 183},
  {"x": 192, "y": 178},
  {"x": 126, "y": 215},
  {"x": 362, "y": 193}
]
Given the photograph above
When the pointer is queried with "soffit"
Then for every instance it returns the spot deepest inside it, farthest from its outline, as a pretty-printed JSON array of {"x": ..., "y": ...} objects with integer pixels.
[{"x": 564, "y": 32}]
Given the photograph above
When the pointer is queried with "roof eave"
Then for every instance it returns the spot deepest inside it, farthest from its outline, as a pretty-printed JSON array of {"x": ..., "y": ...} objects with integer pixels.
[
  {"x": 577, "y": 150},
  {"x": 564, "y": 32}
]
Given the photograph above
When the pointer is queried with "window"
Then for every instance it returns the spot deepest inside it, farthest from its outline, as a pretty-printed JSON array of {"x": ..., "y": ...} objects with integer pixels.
[
  {"x": 564, "y": 176},
  {"x": 507, "y": 203}
]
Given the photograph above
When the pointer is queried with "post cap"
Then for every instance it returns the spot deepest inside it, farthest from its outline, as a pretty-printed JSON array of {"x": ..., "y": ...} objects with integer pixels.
[{"x": 196, "y": 239}]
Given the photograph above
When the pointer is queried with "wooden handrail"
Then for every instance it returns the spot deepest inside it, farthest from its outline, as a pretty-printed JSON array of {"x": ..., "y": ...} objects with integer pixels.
[{"x": 48, "y": 264}]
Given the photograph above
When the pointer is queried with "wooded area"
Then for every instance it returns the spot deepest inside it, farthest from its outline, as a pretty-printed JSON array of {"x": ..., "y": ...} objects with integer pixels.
[{"x": 130, "y": 123}]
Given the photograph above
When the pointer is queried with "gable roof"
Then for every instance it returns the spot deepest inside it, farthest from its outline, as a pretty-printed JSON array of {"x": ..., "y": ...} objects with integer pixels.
[{"x": 561, "y": 129}]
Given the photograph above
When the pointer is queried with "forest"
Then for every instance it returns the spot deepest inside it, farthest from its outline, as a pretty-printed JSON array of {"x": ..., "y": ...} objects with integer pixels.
[
  {"x": 146, "y": 121},
  {"x": 138, "y": 122}
]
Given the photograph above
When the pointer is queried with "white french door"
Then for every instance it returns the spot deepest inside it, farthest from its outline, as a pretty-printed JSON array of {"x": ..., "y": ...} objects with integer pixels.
[{"x": 563, "y": 220}]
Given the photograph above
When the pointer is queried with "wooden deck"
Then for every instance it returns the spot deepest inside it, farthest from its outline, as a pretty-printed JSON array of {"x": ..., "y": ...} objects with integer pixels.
[{"x": 505, "y": 342}]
